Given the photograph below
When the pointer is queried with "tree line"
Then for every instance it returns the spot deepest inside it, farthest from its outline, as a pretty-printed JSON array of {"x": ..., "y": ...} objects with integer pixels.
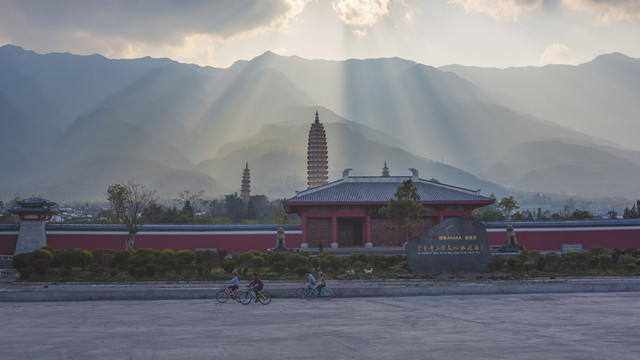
[
  {"x": 134, "y": 204},
  {"x": 503, "y": 210}
]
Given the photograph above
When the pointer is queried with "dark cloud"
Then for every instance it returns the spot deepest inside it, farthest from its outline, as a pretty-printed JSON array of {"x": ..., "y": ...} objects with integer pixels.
[{"x": 152, "y": 22}]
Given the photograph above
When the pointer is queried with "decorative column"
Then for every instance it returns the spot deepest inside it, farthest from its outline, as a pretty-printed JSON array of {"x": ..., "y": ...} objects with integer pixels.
[
  {"x": 34, "y": 214},
  {"x": 367, "y": 232},
  {"x": 334, "y": 228},
  {"x": 305, "y": 230}
]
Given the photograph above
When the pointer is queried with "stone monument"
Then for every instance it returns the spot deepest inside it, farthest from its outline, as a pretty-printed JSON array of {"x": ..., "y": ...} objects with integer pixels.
[
  {"x": 34, "y": 214},
  {"x": 511, "y": 244},
  {"x": 456, "y": 244},
  {"x": 280, "y": 245}
]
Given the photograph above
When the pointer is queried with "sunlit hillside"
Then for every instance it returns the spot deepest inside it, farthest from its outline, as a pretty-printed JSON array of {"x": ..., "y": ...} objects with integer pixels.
[{"x": 74, "y": 124}]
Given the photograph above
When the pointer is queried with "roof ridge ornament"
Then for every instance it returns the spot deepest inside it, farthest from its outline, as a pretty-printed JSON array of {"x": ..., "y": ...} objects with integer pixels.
[
  {"x": 414, "y": 174},
  {"x": 345, "y": 173}
]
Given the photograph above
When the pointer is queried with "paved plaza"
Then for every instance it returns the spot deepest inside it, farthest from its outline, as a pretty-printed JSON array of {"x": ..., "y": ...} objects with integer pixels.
[{"x": 528, "y": 326}]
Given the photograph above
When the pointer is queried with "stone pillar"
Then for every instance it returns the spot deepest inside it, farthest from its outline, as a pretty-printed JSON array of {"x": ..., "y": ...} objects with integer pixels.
[
  {"x": 32, "y": 236},
  {"x": 305, "y": 230},
  {"x": 367, "y": 232},
  {"x": 334, "y": 229}
]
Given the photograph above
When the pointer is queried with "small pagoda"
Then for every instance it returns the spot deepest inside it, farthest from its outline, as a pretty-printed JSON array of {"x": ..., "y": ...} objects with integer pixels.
[
  {"x": 34, "y": 214},
  {"x": 245, "y": 188}
]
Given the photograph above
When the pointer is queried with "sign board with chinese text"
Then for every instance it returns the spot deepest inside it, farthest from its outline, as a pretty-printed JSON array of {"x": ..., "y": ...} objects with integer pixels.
[
  {"x": 571, "y": 247},
  {"x": 457, "y": 244}
]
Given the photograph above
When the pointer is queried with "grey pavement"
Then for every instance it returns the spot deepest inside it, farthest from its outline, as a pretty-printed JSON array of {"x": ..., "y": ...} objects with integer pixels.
[{"x": 514, "y": 326}]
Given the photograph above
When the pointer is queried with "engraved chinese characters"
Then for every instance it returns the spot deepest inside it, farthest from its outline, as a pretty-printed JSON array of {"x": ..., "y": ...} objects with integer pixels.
[{"x": 458, "y": 244}]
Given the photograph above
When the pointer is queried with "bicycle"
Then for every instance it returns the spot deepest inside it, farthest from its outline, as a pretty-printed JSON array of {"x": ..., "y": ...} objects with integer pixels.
[
  {"x": 305, "y": 293},
  {"x": 262, "y": 296},
  {"x": 324, "y": 293},
  {"x": 301, "y": 292},
  {"x": 224, "y": 294}
]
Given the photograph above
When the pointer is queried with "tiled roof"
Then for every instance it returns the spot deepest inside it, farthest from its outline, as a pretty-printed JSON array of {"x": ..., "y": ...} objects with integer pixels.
[{"x": 365, "y": 189}]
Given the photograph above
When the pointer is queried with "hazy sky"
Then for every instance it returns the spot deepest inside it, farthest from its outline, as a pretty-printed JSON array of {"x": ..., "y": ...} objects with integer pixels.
[{"x": 498, "y": 33}]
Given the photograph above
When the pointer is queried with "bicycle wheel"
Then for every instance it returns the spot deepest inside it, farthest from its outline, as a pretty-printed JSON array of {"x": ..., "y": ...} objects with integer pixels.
[
  {"x": 309, "y": 295},
  {"x": 327, "y": 294},
  {"x": 300, "y": 292},
  {"x": 265, "y": 298},
  {"x": 245, "y": 298},
  {"x": 238, "y": 295},
  {"x": 222, "y": 296}
]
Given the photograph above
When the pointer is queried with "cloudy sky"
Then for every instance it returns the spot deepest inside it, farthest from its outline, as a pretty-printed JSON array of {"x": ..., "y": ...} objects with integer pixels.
[{"x": 498, "y": 33}]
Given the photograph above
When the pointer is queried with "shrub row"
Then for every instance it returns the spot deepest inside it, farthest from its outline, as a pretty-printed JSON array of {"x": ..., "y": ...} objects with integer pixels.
[
  {"x": 596, "y": 259},
  {"x": 149, "y": 263}
]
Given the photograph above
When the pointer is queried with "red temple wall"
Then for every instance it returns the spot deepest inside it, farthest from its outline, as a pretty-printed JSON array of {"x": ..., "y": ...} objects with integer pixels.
[
  {"x": 551, "y": 239},
  {"x": 232, "y": 242},
  {"x": 546, "y": 239},
  {"x": 8, "y": 242}
]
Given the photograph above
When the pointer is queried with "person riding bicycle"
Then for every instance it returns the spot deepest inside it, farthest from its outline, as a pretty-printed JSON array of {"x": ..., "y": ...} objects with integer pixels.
[
  {"x": 311, "y": 280},
  {"x": 323, "y": 282},
  {"x": 235, "y": 283},
  {"x": 259, "y": 284}
]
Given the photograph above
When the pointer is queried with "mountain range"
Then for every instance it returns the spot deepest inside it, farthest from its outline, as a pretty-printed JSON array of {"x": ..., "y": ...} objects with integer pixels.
[{"x": 71, "y": 125}]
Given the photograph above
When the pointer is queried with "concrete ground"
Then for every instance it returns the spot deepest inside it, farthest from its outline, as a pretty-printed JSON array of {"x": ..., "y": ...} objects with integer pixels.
[{"x": 519, "y": 326}]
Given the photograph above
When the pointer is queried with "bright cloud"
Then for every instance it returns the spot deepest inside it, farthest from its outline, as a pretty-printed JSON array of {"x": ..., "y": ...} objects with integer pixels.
[
  {"x": 608, "y": 11},
  {"x": 408, "y": 18},
  {"x": 500, "y": 10},
  {"x": 361, "y": 13},
  {"x": 558, "y": 53}
]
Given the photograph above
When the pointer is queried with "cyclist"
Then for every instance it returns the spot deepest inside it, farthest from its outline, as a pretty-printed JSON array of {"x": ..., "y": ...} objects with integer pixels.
[
  {"x": 323, "y": 282},
  {"x": 311, "y": 280},
  {"x": 235, "y": 281},
  {"x": 259, "y": 284}
]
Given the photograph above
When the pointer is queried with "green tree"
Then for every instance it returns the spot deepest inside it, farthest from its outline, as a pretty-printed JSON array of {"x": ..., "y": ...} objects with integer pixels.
[
  {"x": 279, "y": 215},
  {"x": 154, "y": 213},
  {"x": 581, "y": 215},
  {"x": 404, "y": 211},
  {"x": 234, "y": 207},
  {"x": 488, "y": 214},
  {"x": 193, "y": 201},
  {"x": 129, "y": 201},
  {"x": 258, "y": 207},
  {"x": 507, "y": 205},
  {"x": 187, "y": 212}
]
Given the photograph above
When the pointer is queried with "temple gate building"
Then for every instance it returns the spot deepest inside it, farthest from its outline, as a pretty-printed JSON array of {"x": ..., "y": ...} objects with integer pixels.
[
  {"x": 34, "y": 214},
  {"x": 345, "y": 213}
]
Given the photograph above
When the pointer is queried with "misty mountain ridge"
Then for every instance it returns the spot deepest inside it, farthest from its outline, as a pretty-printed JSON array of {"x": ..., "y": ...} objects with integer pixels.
[{"x": 74, "y": 124}]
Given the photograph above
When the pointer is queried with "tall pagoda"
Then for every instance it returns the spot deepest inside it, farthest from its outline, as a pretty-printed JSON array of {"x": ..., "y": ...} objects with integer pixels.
[
  {"x": 317, "y": 157},
  {"x": 245, "y": 189}
]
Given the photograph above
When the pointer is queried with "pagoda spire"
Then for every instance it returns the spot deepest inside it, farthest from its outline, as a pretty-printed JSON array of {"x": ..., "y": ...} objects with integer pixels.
[
  {"x": 317, "y": 155},
  {"x": 385, "y": 170},
  {"x": 245, "y": 189}
]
